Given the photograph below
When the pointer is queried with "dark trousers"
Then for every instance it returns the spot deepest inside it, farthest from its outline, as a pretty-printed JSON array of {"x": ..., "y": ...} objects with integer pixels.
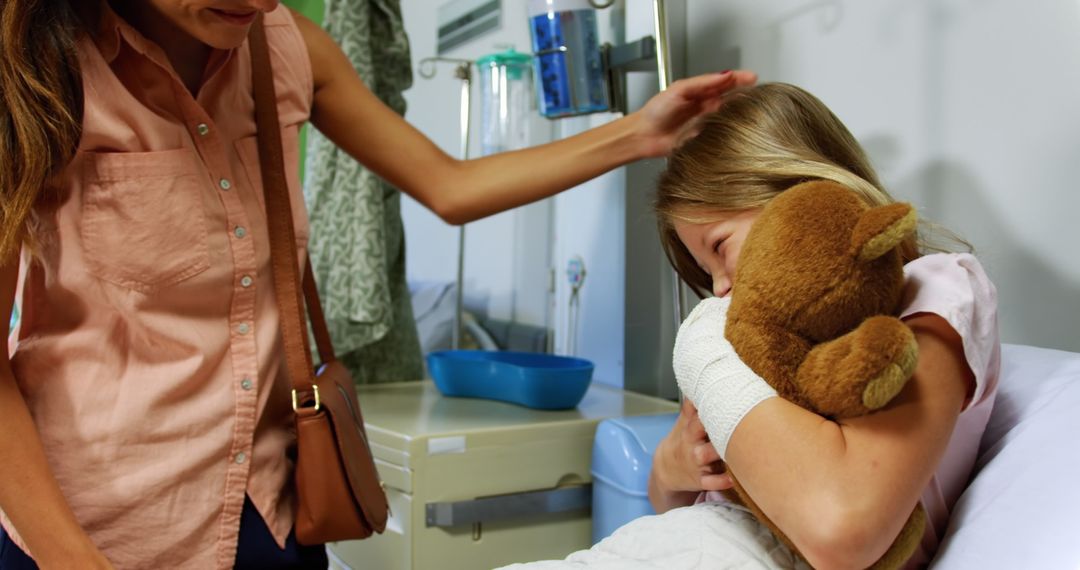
[{"x": 256, "y": 549}]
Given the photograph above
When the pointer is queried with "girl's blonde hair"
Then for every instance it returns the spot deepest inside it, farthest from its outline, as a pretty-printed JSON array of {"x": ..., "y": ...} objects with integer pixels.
[{"x": 764, "y": 140}]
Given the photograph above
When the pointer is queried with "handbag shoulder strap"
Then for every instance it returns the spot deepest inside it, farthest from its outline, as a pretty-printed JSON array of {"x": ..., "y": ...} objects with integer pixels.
[
  {"x": 280, "y": 225},
  {"x": 318, "y": 318}
]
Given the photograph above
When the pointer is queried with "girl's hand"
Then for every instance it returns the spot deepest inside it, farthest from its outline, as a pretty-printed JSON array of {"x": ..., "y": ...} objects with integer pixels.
[
  {"x": 686, "y": 462},
  {"x": 674, "y": 116}
]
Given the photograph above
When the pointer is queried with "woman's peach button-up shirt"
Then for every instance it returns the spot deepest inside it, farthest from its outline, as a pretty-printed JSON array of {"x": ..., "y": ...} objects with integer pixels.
[{"x": 148, "y": 350}]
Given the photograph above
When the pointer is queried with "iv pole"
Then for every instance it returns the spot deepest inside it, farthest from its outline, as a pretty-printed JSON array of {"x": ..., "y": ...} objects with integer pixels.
[
  {"x": 649, "y": 334},
  {"x": 663, "y": 68},
  {"x": 463, "y": 71}
]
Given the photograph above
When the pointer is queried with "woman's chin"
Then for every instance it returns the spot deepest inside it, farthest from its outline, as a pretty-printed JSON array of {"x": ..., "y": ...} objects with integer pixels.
[{"x": 220, "y": 37}]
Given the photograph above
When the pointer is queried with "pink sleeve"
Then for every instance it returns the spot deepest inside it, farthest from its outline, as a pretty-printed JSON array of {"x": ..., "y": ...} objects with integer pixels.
[{"x": 955, "y": 287}]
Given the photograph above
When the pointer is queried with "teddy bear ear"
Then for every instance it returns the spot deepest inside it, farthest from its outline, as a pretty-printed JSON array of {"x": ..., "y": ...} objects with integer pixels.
[{"x": 881, "y": 229}]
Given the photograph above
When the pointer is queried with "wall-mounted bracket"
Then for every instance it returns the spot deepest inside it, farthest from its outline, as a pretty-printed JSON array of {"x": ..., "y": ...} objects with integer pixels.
[{"x": 639, "y": 55}]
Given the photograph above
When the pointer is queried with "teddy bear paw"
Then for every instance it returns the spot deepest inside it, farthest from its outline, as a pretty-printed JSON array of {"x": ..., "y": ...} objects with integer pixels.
[{"x": 883, "y": 388}]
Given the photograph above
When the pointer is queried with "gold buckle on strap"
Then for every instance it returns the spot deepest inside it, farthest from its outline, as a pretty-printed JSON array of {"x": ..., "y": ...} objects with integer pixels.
[{"x": 296, "y": 406}]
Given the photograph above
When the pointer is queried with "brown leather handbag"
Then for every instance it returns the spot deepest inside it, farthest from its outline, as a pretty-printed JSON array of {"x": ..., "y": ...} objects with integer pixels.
[{"x": 338, "y": 490}]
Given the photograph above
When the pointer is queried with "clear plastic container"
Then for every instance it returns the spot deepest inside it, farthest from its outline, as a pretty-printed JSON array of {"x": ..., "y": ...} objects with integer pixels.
[
  {"x": 506, "y": 93},
  {"x": 569, "y": 66}
]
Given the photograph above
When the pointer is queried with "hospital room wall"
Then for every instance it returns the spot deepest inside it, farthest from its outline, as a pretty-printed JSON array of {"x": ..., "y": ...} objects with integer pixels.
[{"x": 967, "y": 108}]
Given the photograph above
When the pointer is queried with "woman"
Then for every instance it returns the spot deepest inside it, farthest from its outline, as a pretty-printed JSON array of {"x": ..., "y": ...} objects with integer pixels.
[{"x": 142, "y": 396}]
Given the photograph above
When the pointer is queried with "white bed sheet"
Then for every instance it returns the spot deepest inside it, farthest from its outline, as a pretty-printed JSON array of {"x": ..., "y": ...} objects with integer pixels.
[{"x": 705, "y": 536}]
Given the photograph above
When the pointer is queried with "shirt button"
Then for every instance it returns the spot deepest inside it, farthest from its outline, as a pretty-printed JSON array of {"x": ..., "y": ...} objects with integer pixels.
[
  {"x": 240, "y": 458},
  {"x": 240, "y": 232},
  {"x": 202, "y": 129},
  {"x": 224, "y": 184},
  {"x": 246, "y": 383},
  {"x": 246, "y": 281},
  {"x": 243, "y": 328}
]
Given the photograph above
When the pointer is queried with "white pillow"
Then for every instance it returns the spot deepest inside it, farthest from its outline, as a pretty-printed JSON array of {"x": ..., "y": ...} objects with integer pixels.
[{"x": 1022, "y": 510}]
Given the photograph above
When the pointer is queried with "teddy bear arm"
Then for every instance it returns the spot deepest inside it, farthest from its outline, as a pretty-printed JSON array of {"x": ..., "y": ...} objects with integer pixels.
[{"x": 860, "y": 371}]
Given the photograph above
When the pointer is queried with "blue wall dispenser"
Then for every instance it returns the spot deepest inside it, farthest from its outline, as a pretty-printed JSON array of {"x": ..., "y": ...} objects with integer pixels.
[{"x": 575, "y": 73}]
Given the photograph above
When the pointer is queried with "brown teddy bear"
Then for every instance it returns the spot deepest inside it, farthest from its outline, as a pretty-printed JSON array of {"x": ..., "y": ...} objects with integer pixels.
[{"x": 819, "y": 280}]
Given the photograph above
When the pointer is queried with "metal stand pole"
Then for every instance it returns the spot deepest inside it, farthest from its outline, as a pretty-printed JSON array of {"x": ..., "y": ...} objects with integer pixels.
[
  {"x": 663, "y": 68},
  {"x": 464, "y": 73}
]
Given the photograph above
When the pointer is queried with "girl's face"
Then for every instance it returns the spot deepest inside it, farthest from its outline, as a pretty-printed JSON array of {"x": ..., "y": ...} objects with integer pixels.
[
  {"x": 715, "y": 245},
  {"x": 221, "y": 24}
]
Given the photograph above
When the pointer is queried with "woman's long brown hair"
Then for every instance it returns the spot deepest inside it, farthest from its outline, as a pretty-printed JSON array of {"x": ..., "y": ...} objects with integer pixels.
[{"x": 41, "y": 106}]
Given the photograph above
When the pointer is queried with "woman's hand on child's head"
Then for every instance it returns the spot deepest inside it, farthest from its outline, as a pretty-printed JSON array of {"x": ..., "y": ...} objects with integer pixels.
[{"x": 674, "y": 116}]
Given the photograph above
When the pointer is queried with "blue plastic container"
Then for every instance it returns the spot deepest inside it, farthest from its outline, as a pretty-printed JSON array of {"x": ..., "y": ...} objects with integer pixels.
[
  {"x": 543, "y": 381},
  {"x": 622, "y": 458}
]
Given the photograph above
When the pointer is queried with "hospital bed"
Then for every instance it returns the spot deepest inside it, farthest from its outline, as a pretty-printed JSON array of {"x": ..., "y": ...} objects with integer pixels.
[{"x": 1020, "y": 509}]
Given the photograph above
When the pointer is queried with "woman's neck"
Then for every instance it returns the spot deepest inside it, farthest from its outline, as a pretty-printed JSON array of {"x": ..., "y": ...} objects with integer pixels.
[{"x": 187, "y": 55}]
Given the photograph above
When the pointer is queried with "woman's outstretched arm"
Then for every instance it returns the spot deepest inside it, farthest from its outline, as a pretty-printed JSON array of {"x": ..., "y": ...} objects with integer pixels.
[{"x": 461, "y": 191}]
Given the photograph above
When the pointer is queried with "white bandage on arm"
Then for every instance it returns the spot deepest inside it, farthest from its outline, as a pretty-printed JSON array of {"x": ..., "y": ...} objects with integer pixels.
[{"x": 710, "y": 373}]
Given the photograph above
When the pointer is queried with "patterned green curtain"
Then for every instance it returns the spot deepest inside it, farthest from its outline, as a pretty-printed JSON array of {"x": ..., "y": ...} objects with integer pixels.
[{"x": 357, "y": 240}]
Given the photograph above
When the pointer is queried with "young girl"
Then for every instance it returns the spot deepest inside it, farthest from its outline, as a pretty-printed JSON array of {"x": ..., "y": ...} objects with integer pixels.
[
  {"x": 839, "y": 490},
  {"x": 143, "y": 402}
]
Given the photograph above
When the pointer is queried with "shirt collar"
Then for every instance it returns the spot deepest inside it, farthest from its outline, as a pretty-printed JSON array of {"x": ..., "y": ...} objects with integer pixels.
[
  {"x": 114, "y": 30},
  {"x": 111, "y": 27}
]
